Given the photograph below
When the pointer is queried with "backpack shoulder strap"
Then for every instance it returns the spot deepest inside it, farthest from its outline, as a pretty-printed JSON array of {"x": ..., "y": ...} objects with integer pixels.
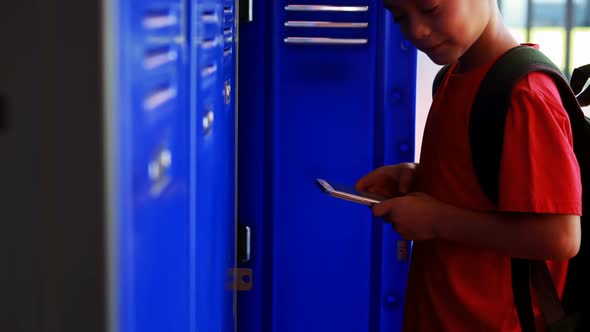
[
  {"x": 578, "y": 82},
  {"x": 491, "y": 104},
  {"x": 486, "y": 132},
  {"x": 576, "y": 293},
  {"x": 438, "y": 79}
]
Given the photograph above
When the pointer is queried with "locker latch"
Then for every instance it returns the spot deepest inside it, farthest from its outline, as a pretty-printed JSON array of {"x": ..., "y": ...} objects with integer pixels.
[
  {"x": 227, "y": 92},
  {"x": 243, "y": 244},
  {"x": 246, "y": 11},
  {"x": 241, "y": 278}
]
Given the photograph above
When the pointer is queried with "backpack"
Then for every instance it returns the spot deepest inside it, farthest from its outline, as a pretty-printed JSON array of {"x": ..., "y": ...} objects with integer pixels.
[{"x": 486, "y": 135}]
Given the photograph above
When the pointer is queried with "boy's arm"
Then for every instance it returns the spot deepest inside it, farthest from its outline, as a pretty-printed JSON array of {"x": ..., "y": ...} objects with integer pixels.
[
  {"x": 521, "y": 235},
  {"x": 544, "y": 236},
  {"x": 539, "y": 174}
]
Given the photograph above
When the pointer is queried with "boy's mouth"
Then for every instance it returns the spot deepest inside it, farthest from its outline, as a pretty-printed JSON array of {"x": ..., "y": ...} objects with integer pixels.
[{"x": 432, "y": 48}]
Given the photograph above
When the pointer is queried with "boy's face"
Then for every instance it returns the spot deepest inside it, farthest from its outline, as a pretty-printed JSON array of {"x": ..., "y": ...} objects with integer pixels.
[{"x": 443, "y": 29}]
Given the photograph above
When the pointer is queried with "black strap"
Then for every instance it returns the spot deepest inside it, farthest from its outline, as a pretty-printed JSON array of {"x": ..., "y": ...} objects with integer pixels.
[
  {"x": 522, "y": 294},
  {"x": 486, "y": 131},
  {"x": 579, "y": 78},
  {"x": 549, "y": 302}
]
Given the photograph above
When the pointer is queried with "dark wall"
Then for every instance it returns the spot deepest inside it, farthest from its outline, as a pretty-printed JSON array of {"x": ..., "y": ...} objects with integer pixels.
[{"x": 51, "y": 196}]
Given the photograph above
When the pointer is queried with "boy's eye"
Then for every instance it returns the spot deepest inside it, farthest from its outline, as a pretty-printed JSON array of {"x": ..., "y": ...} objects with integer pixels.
[{"x": 398, "y": 18}]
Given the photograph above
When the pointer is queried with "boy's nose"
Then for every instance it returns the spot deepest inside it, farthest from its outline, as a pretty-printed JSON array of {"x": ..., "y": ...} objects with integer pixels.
[{"x": 420, "y": 30}]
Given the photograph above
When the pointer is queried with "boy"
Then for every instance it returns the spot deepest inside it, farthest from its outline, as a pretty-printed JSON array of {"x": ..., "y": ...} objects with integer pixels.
[{"x": 460, "y": 277}]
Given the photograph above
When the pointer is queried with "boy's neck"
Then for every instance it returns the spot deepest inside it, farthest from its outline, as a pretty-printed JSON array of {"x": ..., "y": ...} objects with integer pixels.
[{"x": 493, "y": 42}]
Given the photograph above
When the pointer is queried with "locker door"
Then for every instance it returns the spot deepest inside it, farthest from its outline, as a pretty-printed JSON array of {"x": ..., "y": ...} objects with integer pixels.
[
  {"x": 154, "y": 183},
  {"x": 212, "y": 72},
  {"x": 338, "y": 101}
]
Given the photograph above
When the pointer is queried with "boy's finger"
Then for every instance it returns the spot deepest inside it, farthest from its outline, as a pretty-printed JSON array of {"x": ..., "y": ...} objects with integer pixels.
[
  {"x": 360, "y": 184},
  {"x": 364, "y": 183},
  {"x": 404, "y": 182},
  {"x": 381, "y": 209},
  {"x": 381, "y": 190},
  {"x": 378, "y": 209}
]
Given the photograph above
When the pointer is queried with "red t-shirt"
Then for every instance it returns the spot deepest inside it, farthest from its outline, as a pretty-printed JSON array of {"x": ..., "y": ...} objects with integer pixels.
[{"x": 455, "y": 287}]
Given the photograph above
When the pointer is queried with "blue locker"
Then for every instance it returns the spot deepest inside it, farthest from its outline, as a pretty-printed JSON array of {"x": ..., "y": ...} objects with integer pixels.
[
  {"x": 332, "y": 100},
  {"x": 154, "y": 184},
  {"x": 174, "y": 246},
  {"x": 333, "y": 108},
  {"x": 214, "y": 137}
]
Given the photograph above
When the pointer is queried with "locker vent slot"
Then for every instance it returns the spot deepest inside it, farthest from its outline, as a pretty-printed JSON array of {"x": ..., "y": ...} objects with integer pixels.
[
  {"x": 158, "y": 97},
  {"x": 325, "y": 41},
  {"x": 160, "y": 18},
  {"x": 228, "y": 34},
  {"x": 209, "y": 70},
  {"x": 228, "y": 9},
  {"x": 208, "y": 43},
  {"x": 319, "y": 24},
  {"x": 228, "y": 28},
  {"x": 158, "y": 57},
  {"x": 209, "y": 16},
  {"x": 323, "y": 8},
  {"x": 340, "y": 25}
]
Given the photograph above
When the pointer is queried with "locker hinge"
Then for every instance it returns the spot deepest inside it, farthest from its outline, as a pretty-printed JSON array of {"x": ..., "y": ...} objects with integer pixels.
[{"x": 240, "y": 279}]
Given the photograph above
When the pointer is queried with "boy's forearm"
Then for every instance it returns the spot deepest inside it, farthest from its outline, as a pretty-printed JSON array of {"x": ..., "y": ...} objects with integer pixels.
[{"x": 530, "y": 236}]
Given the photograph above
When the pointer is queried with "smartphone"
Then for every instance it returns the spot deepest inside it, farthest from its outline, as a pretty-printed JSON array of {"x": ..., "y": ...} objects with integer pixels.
[{"x": 349, "y": 193}]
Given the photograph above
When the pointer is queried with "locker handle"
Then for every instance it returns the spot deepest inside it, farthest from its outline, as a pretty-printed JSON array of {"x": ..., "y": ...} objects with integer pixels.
[
  {"x": 159, "y": 171},
  {"x": 325, "y": 41},
  {"x": 244, "y": 243},
  {"x": 246, "y": 11},
  {"x": 324, "y": 8},
  {"x": 318, "y": 24}
]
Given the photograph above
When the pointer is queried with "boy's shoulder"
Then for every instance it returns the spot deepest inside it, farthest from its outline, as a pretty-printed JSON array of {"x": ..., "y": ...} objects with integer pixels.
[{"x": 538, "y": 86}]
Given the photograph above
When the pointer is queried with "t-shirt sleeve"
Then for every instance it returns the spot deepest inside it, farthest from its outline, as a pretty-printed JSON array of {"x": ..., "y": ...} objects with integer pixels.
[{"x": 539, "y": 172}]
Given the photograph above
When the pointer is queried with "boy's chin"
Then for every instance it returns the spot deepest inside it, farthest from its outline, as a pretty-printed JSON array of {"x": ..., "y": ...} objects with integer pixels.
[{"x": 441, "y": 59}]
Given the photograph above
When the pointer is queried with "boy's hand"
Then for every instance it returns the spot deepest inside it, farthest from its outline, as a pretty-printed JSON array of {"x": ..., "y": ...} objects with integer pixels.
[
  {"x": 413, "y": 216},
  {"x": 388, "y": 181}
]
